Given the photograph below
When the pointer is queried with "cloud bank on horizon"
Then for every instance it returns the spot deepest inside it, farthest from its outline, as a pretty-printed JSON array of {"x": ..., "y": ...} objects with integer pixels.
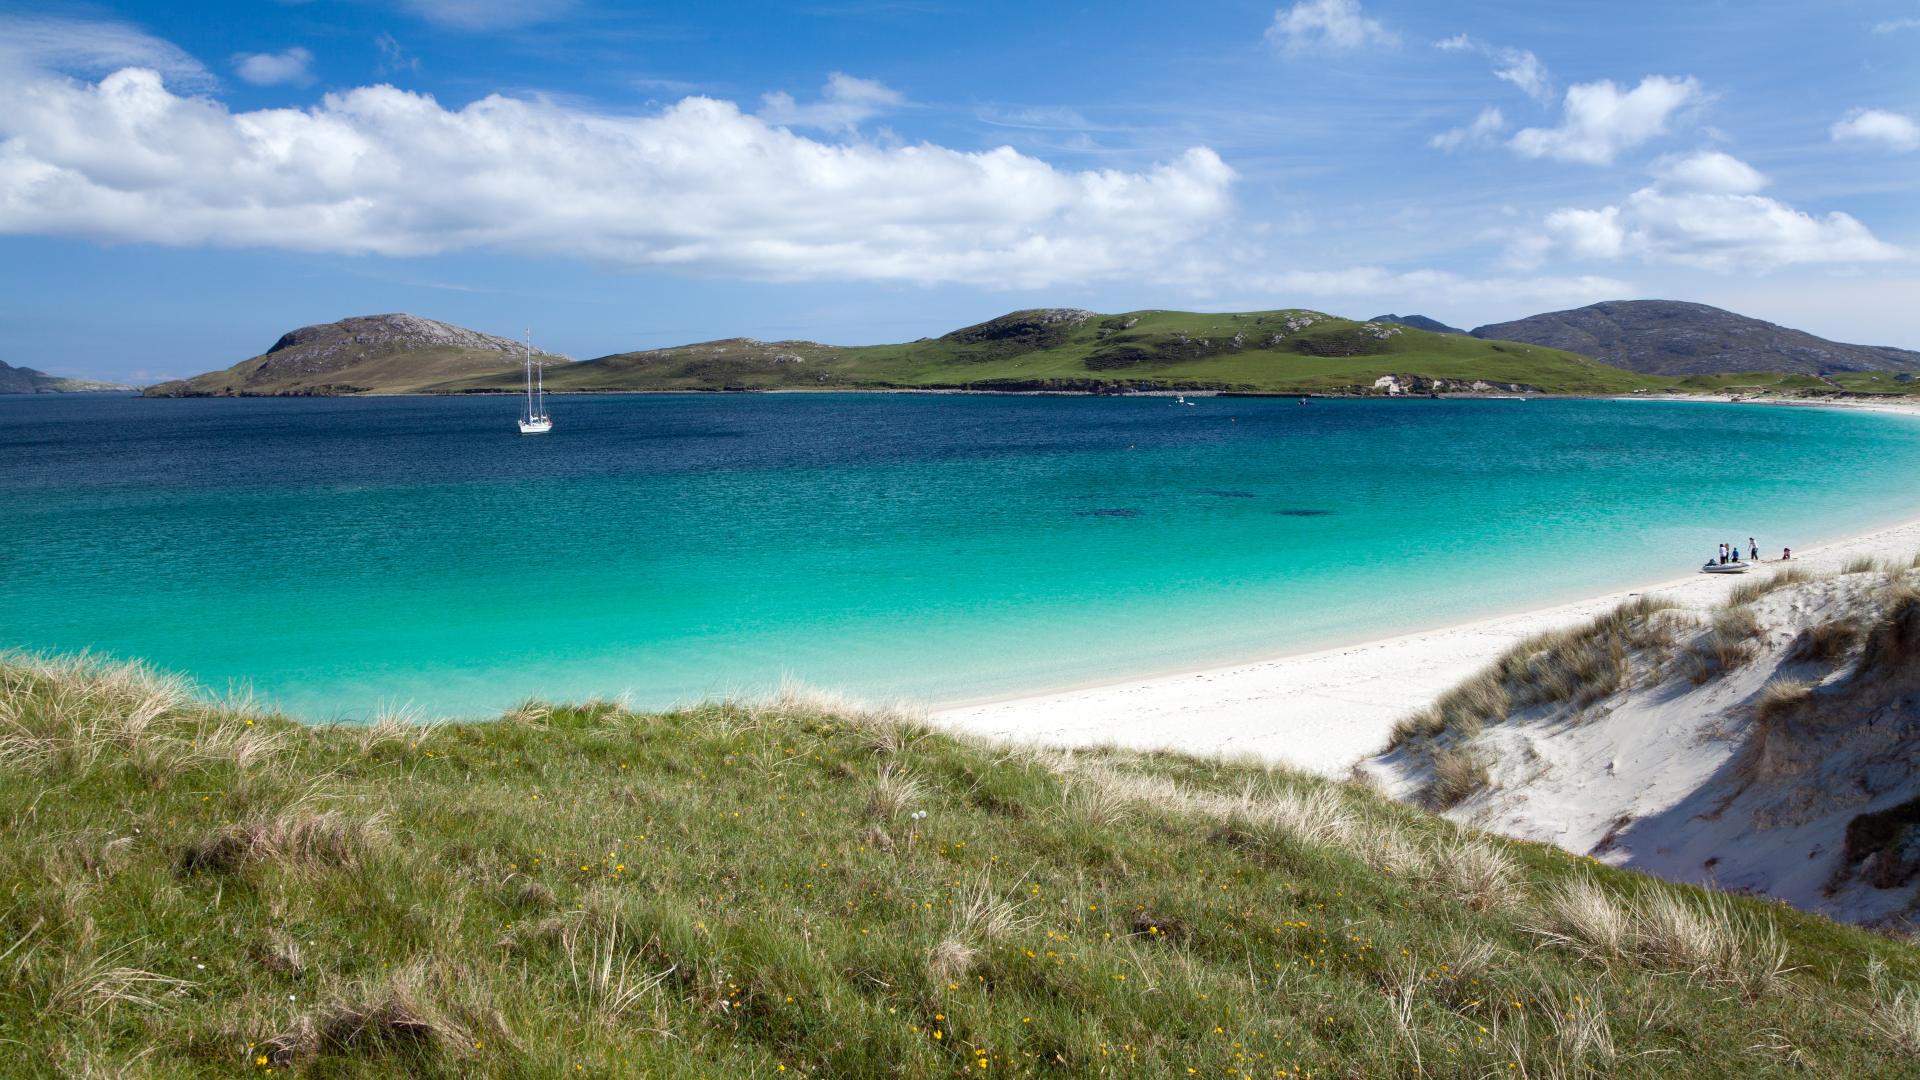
[{"x": 1574, "y": 189}]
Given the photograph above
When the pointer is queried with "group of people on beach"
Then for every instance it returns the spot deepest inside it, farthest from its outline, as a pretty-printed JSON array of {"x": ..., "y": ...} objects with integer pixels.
[{"x": 1730, "y": 553}]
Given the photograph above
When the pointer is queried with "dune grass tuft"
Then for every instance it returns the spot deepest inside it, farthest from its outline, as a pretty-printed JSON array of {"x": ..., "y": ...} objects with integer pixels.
[
  {"x": 295, "y": 840},
  {"x": 1478, "y": 874},
  {"x": 1824, "y": 643},
  {"x": 1893, "y": 640},
  {"x": 1729, "y": 641},
  {"x": 1458, "y": 772},
  {"x": 1665, "y": 930},
  {"x": 1754, "y": 588},
  {"x": 1577, "y": 666},
  {"x": 1896, "y": 1018},
  {"x": 1780, "y": 697},
  {"x": 895, "y": 792}
]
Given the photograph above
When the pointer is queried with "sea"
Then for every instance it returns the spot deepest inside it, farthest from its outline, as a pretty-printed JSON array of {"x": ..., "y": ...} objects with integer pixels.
[{"x": 338, "y": 558}]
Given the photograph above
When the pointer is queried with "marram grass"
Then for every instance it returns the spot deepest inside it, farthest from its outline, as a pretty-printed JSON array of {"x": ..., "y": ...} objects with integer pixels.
[{"x": 796, "y": 888}]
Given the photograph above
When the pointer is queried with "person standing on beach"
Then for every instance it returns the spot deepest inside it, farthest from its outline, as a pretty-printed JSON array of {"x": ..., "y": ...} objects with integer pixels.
[{"x": 1753, "y": 549}]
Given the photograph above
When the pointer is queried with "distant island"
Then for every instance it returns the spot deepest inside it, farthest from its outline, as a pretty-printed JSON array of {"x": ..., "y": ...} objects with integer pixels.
[
  {"x": 1643, "y": 346},
  {"x": 26, "y": 380}
]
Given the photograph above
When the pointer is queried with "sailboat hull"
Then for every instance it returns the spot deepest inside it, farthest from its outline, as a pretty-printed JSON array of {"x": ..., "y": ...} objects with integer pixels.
[{"x": 536, "y": 427}]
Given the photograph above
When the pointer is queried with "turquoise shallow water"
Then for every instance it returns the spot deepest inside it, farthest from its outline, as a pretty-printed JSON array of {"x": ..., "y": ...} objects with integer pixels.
[{"x": 341, "y": 555}]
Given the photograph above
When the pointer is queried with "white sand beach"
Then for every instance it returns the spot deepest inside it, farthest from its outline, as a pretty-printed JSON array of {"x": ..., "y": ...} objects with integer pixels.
[{"x": 1326, "y": 710}]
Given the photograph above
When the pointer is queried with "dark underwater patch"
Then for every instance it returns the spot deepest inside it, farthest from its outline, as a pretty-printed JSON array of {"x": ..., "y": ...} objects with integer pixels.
[
  {"x": 1227, "y": 494},
  {"x": 1298, "y": 512},
  {"x": 1108, "y": 511}
]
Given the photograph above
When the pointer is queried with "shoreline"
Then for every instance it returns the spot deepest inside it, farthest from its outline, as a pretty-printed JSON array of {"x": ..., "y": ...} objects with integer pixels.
[{"x": 1327, "y": 709}]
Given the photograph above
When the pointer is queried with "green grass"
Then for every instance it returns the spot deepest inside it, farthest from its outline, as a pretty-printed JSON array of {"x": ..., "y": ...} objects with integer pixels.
[
  {"x": 799, "y": 889},
  {"x": 1285, "y": 351},
  {"x": 1140, "y": 349},
  {"x": 1887, "y": 383}
]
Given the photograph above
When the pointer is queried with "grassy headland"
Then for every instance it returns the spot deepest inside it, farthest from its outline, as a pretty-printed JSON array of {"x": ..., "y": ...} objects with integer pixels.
[
  {"x": 1060, "y": 349},
  {"x": 797, "y": 888},
  {"x": 1285, "y": 351},
  {"x": 1290, "y": 351}
]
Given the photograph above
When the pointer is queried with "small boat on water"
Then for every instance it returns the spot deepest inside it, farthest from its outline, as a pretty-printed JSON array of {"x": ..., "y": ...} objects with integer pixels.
[
  {"x": 1725, "y": 568},
  {"x": 535, "y": 420}
]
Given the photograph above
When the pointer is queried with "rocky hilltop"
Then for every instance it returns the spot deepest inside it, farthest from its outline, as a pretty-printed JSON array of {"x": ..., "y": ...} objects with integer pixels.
[
  {"x": 395, "y": 353},
  {"x": 1669, "y": 337},
  {"x": 1019, "y": 331},
  {"x": 324, "y": 341},
  {"x": 1418, "y": 322},
  {"x": 26, "y": 380}
]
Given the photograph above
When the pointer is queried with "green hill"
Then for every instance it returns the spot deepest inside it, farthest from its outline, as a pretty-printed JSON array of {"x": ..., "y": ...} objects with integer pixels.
[
  {"x": 1068, "y": 349},
  {"x": 801, "y": 889},
  {"x": 1274, "y": 352},
  {"x": 1291, "y": 351}
]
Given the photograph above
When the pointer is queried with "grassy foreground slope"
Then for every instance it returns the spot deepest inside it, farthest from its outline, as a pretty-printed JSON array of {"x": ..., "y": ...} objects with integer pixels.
[
  {"x": 795, "y": 889},
  {"x": 1057, "y": 348}
]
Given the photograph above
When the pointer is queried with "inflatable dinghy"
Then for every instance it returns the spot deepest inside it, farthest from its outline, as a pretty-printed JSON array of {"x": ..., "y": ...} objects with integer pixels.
[{"x": 1724, "y": 568}]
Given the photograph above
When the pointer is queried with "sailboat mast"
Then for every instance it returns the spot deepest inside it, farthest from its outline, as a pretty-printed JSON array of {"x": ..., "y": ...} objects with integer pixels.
[{"x": 529, "y": 373}]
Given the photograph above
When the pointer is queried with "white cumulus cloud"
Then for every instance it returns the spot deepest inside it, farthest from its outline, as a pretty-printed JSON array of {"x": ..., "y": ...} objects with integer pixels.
[
  {"x": 1599, "y": 120},
  {"x": 845, "y": 102},
  {"x": 1708, "y": 171},
  {"x": 1328, "y": 24},
  {"x": 1489, "y": 123},
  {"x": 699, "y": 185},
  {"x": 1889, "y": 129},
  {"x": 291, "y": 66},
  {"x": 1702, "y": 211}
]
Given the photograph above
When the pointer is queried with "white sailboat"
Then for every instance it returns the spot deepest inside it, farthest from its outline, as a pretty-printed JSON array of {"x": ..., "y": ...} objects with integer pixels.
[{"x": 535, "y": 421}]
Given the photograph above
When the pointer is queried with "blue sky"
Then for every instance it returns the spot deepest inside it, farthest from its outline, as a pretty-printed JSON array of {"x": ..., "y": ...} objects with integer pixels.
[{"x": 179, "y": 184}]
